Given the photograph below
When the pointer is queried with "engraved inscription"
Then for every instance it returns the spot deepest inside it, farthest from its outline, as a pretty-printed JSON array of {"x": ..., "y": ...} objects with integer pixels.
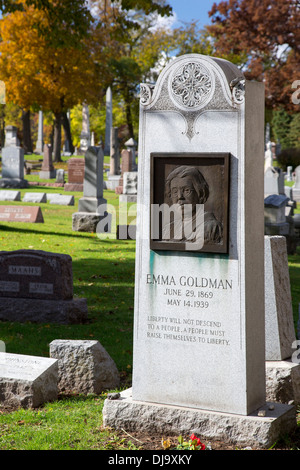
[
  {"x": 25, "y": 270},
  {"x": 40, "y": 288},
  {"x": 7, "y": 286}
]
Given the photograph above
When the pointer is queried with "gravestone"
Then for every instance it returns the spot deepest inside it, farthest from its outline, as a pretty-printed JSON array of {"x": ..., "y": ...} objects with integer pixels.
[
  {"x": 75, "y": 174},
  {"x": 13, "y": 168},
  {"x": 92, "y": 206},
  {"x": 40, "y": 140},
  {"x": 108, "y": 121},
  {"x": 296, "y": 187},
  {"x": 274, "y": 213},
  {"x": 274, "y": 181},
  {"x": 131, "y": 145},
  {"x": 28, "y": 214},
  {"x": 11, "y": 136},
  {"x": 27, "y": 381},
  {"x": 60, "y": 176},
  {"x": 62, "y": 200},
  {"x": 10, "y": 195},
  {"x": 113, "y": 177},
  {"x": 85, "y": 136},
  {"x": 130, "y": 184},
  {"x": 282, "y": 374},
  {"x": 47, "y": 171},
  {"x": 84, "y": 366},
  {"x": 37, "y": 286},
  {"x": 126, "y": 165},
  {"x": 35, "y": 197},
  {"x": 199, "y": 332}
]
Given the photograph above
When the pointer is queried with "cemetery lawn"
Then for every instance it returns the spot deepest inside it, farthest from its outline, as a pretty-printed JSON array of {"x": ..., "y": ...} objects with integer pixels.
[{"x": 103, "y": 273}]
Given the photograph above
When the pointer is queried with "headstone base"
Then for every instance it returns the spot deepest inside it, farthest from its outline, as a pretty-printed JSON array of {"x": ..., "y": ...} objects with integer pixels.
[
  {"x": 277, "y": 229},
  {"x": 90, "y": 204},
  {"x": 73, "y": 187},
  {"x": 253, "y": 430},
  {"x": 296, "y": 194},
  {"x": 13, "y": 183},
  {"x": 46, "y": 175},
  {"x": 283, "y": 381},
  {"x": 43, "y": 311},
  {"x": 87, "y": 222},
  {"x": 128, "y": 198}
]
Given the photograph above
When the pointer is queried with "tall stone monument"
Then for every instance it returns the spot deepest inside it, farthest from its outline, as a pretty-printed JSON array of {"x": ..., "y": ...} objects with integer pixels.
[
  {"x": 92, "y": 206},
  {"x": 40, "y": 139},
  {"x": 199, "y": 330},
  {"x": 108, "y": 121},
  {"x": 47, "y": 171},
  {"x": 85, "y": 136}
]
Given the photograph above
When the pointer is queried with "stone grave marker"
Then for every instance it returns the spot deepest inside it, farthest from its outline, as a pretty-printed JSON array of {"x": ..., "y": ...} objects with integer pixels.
[
  {"x": 60, "y": 176},
  {"x": 27, "y": 381},
  {"x": 35, "y": 197},
  {"x": 29, "y": 214},
  {"x": 126, "y": 165},
  {"x": 130, "y": 186},
  {"x": 199, "y": 330},
  {"x": 296, "y": 187},
  {"x": 11, "y": 136},
  {"x": 275, "y": 214},
  {"x": 75, "y": 174},
  {"x": 37, "y": 286},
  {"x": 47, "y": 171},
  {"x": 92, "y": 206},
  {"x": 10, "y": 195},
  {"x": 62, "y": 200},
  {"x": 282, "y": 374},
  {"x": 84, "y": 366},
  {"x": 113, "y": 177},
  {"x": 13, "y": 168}
]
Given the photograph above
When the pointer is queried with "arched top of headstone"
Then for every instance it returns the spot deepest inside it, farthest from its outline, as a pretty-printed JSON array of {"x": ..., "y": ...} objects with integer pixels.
[{"x": 195, "y": 82}]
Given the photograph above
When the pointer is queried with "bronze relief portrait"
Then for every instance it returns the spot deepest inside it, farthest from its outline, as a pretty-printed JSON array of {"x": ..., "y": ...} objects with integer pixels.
[{"x": 189, "y": 202}]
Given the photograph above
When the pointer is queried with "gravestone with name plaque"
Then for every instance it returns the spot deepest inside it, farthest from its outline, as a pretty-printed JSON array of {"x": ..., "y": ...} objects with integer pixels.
[
  {"x": 75, "y": 174},
  {"x": 199, "y": 333},
  {"x": 37, "y": 286}
]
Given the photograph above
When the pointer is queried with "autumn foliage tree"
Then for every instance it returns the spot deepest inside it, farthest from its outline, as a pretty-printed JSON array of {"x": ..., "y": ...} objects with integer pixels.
[
  {"x": 264, "y": 37},
  {"x": 40, "y": 74}
]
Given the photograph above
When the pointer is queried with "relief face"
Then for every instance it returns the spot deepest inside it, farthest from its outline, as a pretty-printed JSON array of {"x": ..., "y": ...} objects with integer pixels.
[{"x": 189, "y": 202}]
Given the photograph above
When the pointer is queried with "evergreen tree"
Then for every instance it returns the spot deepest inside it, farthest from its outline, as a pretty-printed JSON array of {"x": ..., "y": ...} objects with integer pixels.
[{"x": 281, "y": 127}]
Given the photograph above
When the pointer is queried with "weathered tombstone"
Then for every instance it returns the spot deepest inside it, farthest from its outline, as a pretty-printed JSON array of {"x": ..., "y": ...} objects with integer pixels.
[
  {"x": 274, "y": 181},
  {"x": 37, "y": 286},
  {"x": 75, "y": 174},
  {"x": 268, "y": 156},
  {"x": 282, "y": 374},
  {"x": 129, "y": 187},
  {"x": 199, "y": 294},
  {"x": 35, "y": 197},
  {"x": 84, "y": 366},
  {"x": 296, "y": 187},
  {"x": 274, "y": 213},
  {"x": 62, "y": 200},
  {"x": 60, "y": 176},
  {"x": 13, "y": 168},
  {"x": 108, "y": 121},
  {"x": 113, "y": 177},
  {"x": 92, "y": 206},
  {"x": 10, "y": 195},
  {"x": 27, "y": 381},
  {"x": 48, "y": 171},
  {"x": 131, "y": 145},
  {"x": 126, "y": 165},
  {"x": 11, "y": 136},
  {"x": 28, "y": 214},
  {"x": 40, "y": 140},
  {"x": 289, "y": 175},
  {"x": 85, "y": 136}
]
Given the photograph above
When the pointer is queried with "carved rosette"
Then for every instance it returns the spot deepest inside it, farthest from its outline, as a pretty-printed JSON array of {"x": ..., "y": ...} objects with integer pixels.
[{"x": 191, "y": 86}]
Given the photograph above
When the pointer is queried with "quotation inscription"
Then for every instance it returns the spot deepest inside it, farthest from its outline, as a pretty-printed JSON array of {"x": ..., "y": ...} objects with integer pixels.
[{"x": 191, "y": 294}]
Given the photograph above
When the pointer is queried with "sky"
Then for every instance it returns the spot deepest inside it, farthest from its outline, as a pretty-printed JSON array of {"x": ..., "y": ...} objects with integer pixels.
[{"x": 188, "y": 10}]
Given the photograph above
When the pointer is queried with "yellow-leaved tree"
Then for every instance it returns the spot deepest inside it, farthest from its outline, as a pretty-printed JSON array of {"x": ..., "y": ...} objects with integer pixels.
[{"x": 40, "y": 75}]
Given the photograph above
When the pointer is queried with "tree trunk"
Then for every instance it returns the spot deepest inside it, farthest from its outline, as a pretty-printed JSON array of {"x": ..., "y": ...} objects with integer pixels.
[
  {"x": 67, "y": 130},
  {"x": 57, "y": 138},
  {"x": 27, "y": 140},
  {"x": 127, "y": 100}
]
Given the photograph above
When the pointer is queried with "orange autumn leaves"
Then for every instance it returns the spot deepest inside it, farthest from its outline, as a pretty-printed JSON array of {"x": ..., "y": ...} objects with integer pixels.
[{"x": 36, "y": 73}]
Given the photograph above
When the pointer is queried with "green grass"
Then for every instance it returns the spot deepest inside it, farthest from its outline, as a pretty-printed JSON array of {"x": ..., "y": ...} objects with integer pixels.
[{"x": 103, "y": 273}]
